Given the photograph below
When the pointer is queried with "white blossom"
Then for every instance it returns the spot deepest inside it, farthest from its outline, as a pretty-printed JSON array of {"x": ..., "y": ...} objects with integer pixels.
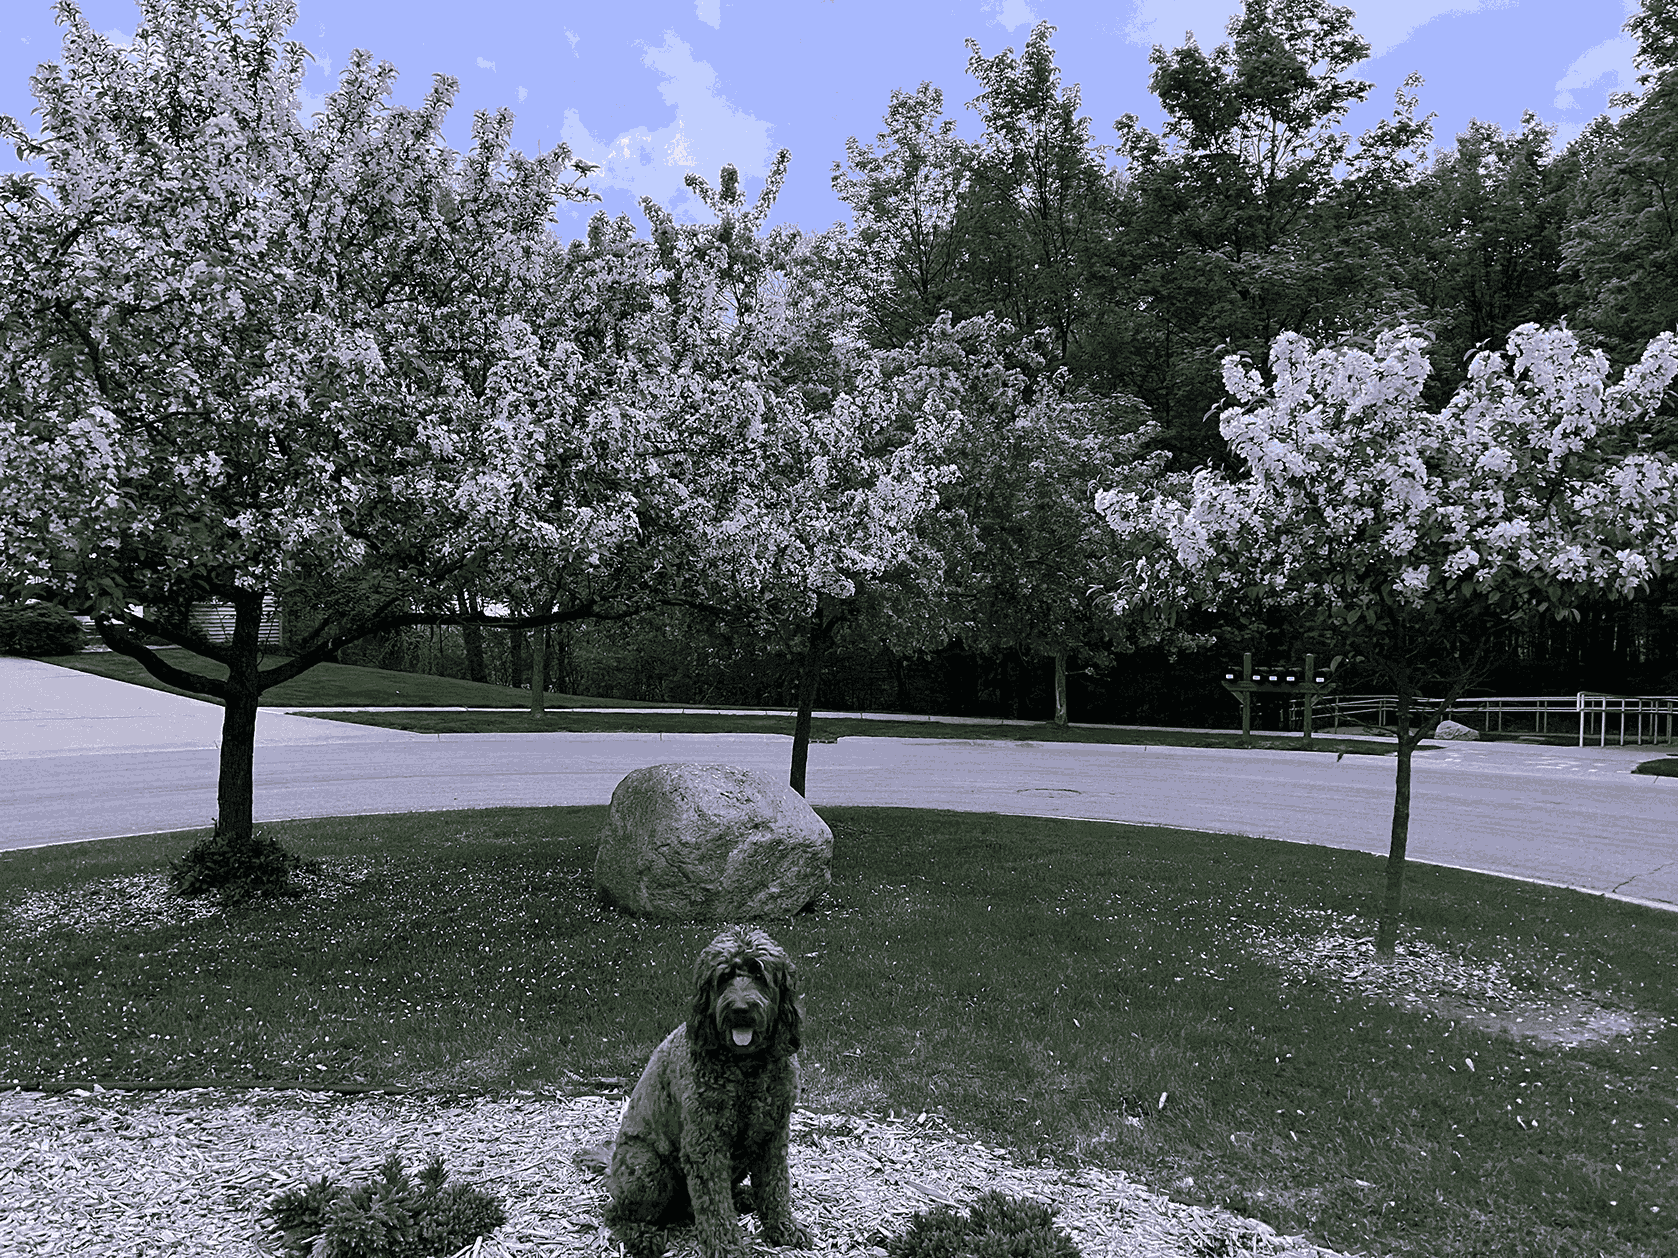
[{"x": 1528, "y": 477}]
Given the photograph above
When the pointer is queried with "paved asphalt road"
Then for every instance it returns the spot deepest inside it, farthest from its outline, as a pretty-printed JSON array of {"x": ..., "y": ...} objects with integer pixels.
[{"x": 83, "y": 757}]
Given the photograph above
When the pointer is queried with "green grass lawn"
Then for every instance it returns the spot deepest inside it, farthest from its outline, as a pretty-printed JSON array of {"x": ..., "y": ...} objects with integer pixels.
[
  {"x": 1042, "y": 984},
  {"x": 829, "y": 729},
  {"x": 336, "y": 685},
  {"x": 1665, "y": 767}
]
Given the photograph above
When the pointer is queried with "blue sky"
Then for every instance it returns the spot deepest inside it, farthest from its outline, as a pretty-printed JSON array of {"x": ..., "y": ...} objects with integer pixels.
[{"x": 655, "y": 88}]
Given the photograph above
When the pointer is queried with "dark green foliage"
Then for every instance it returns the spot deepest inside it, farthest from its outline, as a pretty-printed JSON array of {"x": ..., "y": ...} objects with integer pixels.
[
  {"x": 1251, "y": 212},
  {"x": 1621, "y": 242},
  {"x": 388, "y": 1216},
  {"x": 298, "y": 1213},
  {"x": 1655, "y": 26},
  {"x": 996, "y": 1226},
  {"x": 39, "y": 629},
  {"x": 1486, "y": 240},
  {"x": 237, "y": 868}
]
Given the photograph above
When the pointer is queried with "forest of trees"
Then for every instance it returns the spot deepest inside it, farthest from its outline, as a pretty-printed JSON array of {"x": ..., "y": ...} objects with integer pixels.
[{"x": 1146, "y": 257}]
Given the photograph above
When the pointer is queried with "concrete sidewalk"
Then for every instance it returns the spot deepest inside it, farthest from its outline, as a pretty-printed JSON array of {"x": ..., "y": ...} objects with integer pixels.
[{"x": 46, "y": 710}]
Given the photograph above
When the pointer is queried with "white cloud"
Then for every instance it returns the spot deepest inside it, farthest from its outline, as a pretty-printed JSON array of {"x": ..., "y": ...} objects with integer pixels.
[
  {"x": 1011, "y": 14},
  {"x": 485, "y": 64},
  {"x": 522, "y": 94},
  {"x": 1384, "y": 23},
  {"x": 1612, "y": 57},
  {"x": 709, "y": 12},
  {"x": 706, "y": 133},
  {"x": 573, "y": 37},
  {"x": 1387, "y": 25},
  {"x": 1165, "y": 21},
  {"x": 116, "y": 35}
]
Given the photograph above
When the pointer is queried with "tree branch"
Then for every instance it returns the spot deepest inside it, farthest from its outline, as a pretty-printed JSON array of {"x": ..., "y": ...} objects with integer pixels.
[{"x": 119, "y": 640}]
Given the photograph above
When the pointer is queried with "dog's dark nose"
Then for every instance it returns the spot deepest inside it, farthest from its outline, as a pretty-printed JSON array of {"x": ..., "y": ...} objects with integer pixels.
[{"x": 742, "y": 991}]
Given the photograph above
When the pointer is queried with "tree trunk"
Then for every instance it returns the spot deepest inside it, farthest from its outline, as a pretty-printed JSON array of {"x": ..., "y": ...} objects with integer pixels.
[
  {"x": 1060, "y": 688},
  {"x": 1392, "y": 904},
  {"x": 472, "y": 638},
  {"x": 901, "y": 682},
  {"x": 559, "y": 658},
  {"x": 807, "y": 683},
  {"x": 235, "y": 784},
  {"x": 538, "y": 671}
]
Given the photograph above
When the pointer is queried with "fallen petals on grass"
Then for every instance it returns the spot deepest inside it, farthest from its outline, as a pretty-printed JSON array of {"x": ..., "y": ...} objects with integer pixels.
[
  {"x": 142, "y": 901},
  {"x": 1421, "y": 975}
]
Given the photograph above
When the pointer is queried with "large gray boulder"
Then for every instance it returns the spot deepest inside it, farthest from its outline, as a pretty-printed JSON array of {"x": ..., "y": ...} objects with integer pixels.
[
  {"x": 704, "y": 842},
  {"x": 1458, "y": 731}
]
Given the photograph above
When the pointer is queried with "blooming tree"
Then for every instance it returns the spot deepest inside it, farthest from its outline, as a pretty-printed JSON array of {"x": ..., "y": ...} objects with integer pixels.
[
  {"x": 816, "y": 518},
  {"x": 1404, "y": 533},
  {"x": 248, "y": 355},
  {"x": 581, "y": 462},
  {"x": 836, "y": 535}
]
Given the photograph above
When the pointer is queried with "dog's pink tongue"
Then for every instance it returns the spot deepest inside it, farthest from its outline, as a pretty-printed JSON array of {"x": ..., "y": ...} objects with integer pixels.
[{"x": 742, "y": 1035}]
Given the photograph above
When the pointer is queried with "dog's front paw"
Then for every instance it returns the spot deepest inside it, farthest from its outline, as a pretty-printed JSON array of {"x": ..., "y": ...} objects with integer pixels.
[
  {"x": 641, "y": 1240},
  {"x": 789, "y": 1235},
  {"x": 723, "y": 1242}
]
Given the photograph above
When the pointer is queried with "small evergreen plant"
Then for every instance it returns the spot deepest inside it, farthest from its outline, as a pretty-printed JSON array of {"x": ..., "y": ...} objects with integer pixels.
[
  {"x": 235, "y": 869},
  {"x": 995, "y": 1226},
  {"x": 391, "y": 1215},
  {"x": 39, "y": 629}
]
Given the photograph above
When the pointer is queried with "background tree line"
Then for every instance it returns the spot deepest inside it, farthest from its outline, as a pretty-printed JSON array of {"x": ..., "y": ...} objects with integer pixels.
[{"x": 1140, "y": 262}]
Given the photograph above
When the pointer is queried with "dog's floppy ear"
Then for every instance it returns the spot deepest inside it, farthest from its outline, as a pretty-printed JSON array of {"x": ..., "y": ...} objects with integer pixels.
[
  {"x": 702, "y": 1022},
  {"x": 789, "y": 1017}
]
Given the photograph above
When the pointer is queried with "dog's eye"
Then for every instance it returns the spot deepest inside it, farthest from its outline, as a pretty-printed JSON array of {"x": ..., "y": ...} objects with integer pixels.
[{"x": 754, "y": 967}]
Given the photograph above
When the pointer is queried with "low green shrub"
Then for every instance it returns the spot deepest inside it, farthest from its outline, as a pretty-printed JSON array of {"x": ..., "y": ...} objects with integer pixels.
[
  {"x": 388, "y": 1216},
  {"x": 39, "y": 629},
  {"x": 237, "y": 868},
  {"x": 995, "y": 1226}
]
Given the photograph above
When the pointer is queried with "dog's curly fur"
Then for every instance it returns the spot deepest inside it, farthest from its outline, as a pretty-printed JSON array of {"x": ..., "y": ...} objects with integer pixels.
[{"x": 710, "y": 1111}]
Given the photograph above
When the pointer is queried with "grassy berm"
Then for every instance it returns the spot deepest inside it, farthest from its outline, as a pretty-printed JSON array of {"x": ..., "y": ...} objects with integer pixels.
[
  {"x": 334, "y": 685},
  {"x": 1156, "y": 1001}
]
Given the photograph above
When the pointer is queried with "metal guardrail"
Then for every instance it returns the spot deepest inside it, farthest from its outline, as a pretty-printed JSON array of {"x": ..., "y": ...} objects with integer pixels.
[
  {"x": 1651, "y": 717},
  {"x": 1655, "y": 707}
]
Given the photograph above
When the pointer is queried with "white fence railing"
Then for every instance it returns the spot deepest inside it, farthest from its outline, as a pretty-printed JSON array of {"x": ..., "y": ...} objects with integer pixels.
[{"x": 1638, "y": 718}]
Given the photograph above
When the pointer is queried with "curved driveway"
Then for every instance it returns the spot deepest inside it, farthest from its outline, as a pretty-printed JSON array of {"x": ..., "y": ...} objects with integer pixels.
[{"x": 82, "y": 757}]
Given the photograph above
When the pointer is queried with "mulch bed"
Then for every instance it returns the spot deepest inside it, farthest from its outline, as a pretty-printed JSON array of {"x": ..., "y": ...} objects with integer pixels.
[{"x": 125, "y": 1174}]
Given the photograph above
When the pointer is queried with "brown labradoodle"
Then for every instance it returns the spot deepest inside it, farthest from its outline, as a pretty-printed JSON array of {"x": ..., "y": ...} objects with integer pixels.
[{"x": 712, "y": 1108}]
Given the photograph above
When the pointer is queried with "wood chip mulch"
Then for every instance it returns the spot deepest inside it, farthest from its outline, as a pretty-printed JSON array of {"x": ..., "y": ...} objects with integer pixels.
[{"x": 121, "y": 1174}]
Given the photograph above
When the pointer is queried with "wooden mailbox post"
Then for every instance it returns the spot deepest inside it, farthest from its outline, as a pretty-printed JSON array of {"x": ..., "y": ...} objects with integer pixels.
[{"x": 1279, "y": 680}]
